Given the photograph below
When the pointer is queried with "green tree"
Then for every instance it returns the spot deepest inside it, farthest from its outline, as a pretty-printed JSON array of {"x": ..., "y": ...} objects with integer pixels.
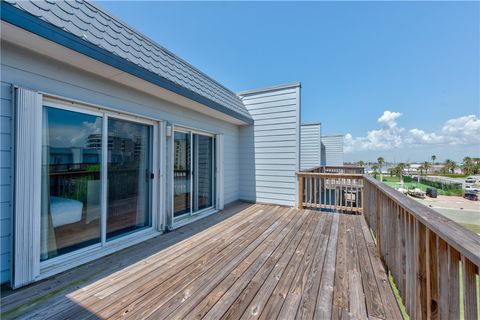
[
  {"x": 468, "y": 166},
  {"x": 361, "y": 163},
  {"x": 426, "y": 165},
  {"x": 449, "y": 166},
  {"x": 375, "y": 170},
  {"x": 421, "y": 168},
  {"x": 380, "y": 161}
]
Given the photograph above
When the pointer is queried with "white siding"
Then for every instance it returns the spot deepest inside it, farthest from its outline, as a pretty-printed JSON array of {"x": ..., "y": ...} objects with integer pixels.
[
  {"x": 270, "y": 148},
  {"x": 332, "y": 150},
  {"x": 6, "y": 174},
  {"x": 310, "y": 151},
  {"x": 33, "y": 71}
]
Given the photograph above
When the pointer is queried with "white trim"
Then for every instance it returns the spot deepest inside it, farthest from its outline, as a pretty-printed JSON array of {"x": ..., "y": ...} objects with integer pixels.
[
  {"x": 27, "y": 186},
  {"x": 85, "y": 255},
  {"x": 66, "y": 103},
  {"x": 104, "y": 247},
  {"x": 219, "y": 171},
  {"x": 192, "y": 215},
  {"x": 104, "y": 181},
  {"x": 185, "y": 129},
  {"x": 199, "y": 215}
]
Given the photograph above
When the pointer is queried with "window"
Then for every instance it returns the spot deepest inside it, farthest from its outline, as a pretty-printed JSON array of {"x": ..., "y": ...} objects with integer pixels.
[
  {"x": 70, "y": 200},
  {"x": 193, "y": 171},
  {"x": 76, "y": 149}
]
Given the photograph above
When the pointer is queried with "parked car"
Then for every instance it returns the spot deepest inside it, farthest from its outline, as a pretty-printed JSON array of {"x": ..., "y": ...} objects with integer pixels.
[
  {"x": 471, "y": 195},
  {"x": 431, "y": 192},
  {"x": 417, "y": 193},
  {"x": 471, "y": 179}
]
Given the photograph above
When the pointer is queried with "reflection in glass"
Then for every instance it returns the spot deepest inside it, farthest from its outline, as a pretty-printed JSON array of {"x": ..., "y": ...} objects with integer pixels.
[
  {"x": 71, "y": 157},
  {"x": 129, "y": 168},
  {"x": 203, "y": 179},
  {"x": 181, "y": 173}
]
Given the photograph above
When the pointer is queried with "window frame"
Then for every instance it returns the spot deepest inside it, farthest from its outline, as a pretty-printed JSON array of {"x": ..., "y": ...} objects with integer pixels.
[
  {"x": 69, "y": 260},
  {"x": 193, "y": 215}
]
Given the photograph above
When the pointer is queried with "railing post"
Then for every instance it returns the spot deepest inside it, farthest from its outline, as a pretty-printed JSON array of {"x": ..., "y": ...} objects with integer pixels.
[{"x": 300, "y": 191}]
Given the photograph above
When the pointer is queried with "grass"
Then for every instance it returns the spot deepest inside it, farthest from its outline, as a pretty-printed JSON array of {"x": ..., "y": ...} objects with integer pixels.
[
  {"x": 474, "y": 227},
  {"x": 392, "y": 182},
  {"x": 397, "y": 296}
]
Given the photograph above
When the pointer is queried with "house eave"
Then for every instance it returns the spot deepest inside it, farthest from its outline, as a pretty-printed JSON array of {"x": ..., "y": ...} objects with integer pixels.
[{"x": 34, "y": 25}]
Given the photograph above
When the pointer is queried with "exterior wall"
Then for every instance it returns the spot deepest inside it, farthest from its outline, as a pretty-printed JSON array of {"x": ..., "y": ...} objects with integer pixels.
[
  {"x": 270, "y": 152},
  {"x": 30, "y": 70},
  {"x": 332, "y": 150},
  {"x": 6, "y": 174},
  {"x": 310, "y": 150}
]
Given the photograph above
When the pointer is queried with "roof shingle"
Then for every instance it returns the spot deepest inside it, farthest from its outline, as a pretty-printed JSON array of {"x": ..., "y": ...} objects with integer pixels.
[{"x": 90, "y": 23}]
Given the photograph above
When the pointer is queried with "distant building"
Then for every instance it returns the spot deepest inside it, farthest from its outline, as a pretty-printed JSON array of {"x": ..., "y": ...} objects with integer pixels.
[
  {"x": 310, "y": 146},
  {"x": 332, "y": 150}
]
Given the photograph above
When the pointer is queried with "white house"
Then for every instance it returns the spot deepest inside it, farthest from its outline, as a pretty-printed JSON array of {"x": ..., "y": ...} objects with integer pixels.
[{"x": 108, "y": 139}]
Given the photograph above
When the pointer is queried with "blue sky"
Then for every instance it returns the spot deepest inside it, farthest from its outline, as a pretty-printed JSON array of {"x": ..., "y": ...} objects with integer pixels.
[{"x": 420, "y": 61}]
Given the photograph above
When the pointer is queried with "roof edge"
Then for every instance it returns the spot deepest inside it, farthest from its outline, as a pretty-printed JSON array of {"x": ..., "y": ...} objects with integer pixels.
[
  {"x": 30, "y": 23},
  {"x": 311, "y": 124},
  {"x": 99, "y": 7},
  {"x": 271, "y": 88}
]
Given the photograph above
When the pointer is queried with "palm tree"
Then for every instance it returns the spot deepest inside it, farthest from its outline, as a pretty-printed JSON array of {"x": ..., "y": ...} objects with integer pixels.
[
  {"x": 400, "y": 167},
  {"x": 375, "y": 170},
  {"x": 421, "y": 168},
  {"x": 361, "y": 163},
  {"x": 449, "y": 166},
  {"x": 426, "y": 166},
  {"x": 380, "y": 161},
  {"x": 468, "y": 165}
]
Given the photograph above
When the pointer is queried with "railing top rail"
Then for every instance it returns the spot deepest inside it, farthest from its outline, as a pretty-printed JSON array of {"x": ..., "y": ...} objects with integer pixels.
[
  {"x": 463, "y": 240},
  {"x": 331, "y": 175}
]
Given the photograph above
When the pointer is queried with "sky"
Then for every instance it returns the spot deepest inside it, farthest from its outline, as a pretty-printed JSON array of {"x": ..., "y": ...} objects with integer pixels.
[{"x": 399, "y": 79}]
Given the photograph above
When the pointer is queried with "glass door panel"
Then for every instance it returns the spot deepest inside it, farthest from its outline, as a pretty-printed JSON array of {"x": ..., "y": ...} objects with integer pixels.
[
  {"x": 129, "y": 181},
  {"x": 70, "y": 193},
  {"x": 182, "y": 174},
  {"x": 203, "y": 173}
]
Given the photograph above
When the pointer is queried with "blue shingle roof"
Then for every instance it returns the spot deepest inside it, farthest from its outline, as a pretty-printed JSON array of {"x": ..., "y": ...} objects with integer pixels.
[{"x": 92, "y": 25}]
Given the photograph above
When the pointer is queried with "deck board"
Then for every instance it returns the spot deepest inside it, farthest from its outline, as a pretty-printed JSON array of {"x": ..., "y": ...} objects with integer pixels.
[{"x": 258, "y": 261}]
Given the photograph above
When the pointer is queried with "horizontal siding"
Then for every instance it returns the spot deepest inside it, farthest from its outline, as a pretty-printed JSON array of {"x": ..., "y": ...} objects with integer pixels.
[
  {"x": 6, "y": 187},
  {"x": 30, "y": 70},
  {"x": 333, "y": 149},
  {"x": 310, "y": 149},
  {"x": 269, "y": 155}
]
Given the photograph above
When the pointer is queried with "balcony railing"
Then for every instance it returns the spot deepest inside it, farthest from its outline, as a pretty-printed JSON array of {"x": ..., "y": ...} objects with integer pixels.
[
  {"x": 337, "y": 169},
  {"x": 337, "y": 192},
  {"x": 433, "y": 260},
  {"x": 430, "y": 257}
]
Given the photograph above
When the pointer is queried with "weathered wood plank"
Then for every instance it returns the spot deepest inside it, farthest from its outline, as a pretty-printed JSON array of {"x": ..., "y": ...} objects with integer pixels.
[
  {"x": 264, "y": 262},
  {"x": 469, "y": 289},
  {"x": 324, "y": 304},
  {"x": 307, "y": 305}
]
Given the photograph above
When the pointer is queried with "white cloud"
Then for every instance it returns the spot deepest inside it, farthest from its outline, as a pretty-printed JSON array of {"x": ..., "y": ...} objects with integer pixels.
[{"x": 459, "y": 131}]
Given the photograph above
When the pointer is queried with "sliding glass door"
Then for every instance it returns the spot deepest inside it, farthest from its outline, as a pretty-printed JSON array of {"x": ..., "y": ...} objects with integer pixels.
[
  {"x": 129, "y": 168},
  {"x": 97, "y": 175},
  {"x": 182, "y": 173},
  {"x": 70, "y": 195},
  {"x": 193, "y": 172}
]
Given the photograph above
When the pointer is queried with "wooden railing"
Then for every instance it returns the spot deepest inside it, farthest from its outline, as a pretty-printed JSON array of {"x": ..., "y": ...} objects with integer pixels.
[
  {"x": 336, "y": 192},
  {"x": 433, "y": 260},
  {"x": 337, "y": 169}
]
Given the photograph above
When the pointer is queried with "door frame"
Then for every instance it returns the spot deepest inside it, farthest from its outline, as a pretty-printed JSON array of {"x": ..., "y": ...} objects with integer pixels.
[
  {"x": 72, "y": 259},
  {"x": 190, "y": 216}
]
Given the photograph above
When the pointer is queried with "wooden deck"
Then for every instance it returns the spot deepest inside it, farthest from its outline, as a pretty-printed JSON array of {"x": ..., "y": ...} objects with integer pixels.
[{"x": 248, "y": 262}]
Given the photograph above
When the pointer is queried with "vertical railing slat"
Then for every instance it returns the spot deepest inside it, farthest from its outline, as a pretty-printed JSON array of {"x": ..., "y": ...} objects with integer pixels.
[{"x": 469, "y": 289}]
